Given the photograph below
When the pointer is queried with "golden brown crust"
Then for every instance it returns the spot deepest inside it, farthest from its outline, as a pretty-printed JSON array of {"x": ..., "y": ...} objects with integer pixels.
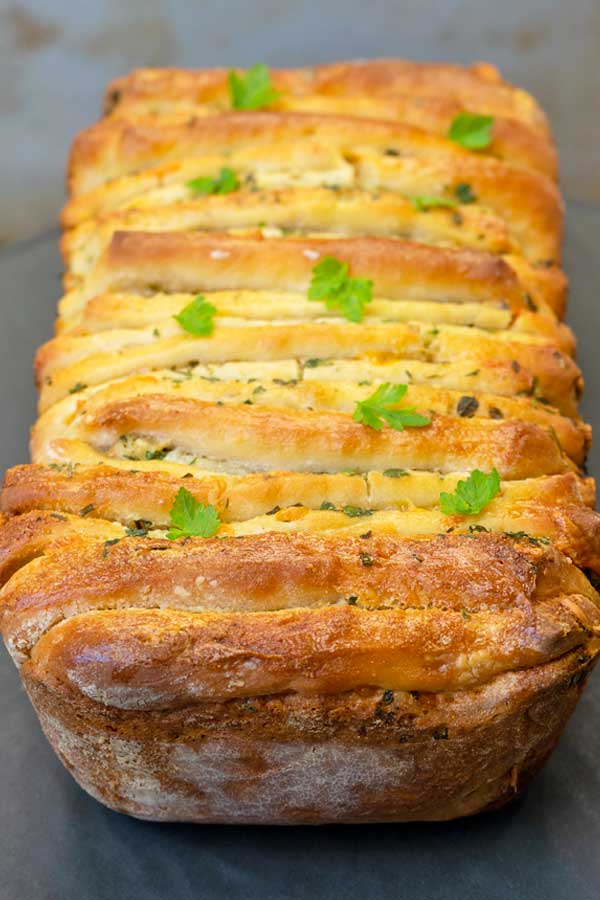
[
  {"x": 121, "y": 491},
  {"x": 428, "y": 96},
  {"x": 478, "y": 86},
  {"x": 362, "y": 756},
  {"x": 114, "y": 310},
  {"x": 298, "y": 210},
  {"x": 134, "y": 258},
  {"x": 114, "y": 147},
  {"x": 160, "y": 659},
  {"x": 146, "y": 262},
  {"x": 369, "y": 89},
  {"x": 259, "y": 439},
  {"x": 245, "y": 606},
  {"x": 340, "y": 618},
  {"x": 78, "y": 418},
  {"x": 67, "y": 364},
  {"x": 555, "y": 508},
  {"x": 386, "y": 156}
]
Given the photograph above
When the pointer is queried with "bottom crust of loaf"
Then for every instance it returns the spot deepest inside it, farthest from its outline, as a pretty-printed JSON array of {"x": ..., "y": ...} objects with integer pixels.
[{"x": 361, "y": 756}]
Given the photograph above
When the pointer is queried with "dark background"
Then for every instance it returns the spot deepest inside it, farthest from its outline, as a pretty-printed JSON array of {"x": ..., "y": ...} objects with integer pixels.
[{"x": 55, "y": 842}]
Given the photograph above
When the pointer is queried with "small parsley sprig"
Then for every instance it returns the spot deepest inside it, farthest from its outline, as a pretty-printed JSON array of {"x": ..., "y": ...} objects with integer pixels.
[
  {"x": 190, "y": 518},
  {"x": 472, "y": 495},
  {"x": 197, "y": 317},
  {"x": 471, "y": 130},
  {"x": 332, "y": 284},
  {"x": 380, "y": 408},
  {"x": 253, "y": 89},
  {"x": 224, "y": 183}
]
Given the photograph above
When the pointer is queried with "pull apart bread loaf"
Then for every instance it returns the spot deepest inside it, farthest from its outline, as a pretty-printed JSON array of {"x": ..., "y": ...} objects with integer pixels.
[{"x": 307, "y": 536}]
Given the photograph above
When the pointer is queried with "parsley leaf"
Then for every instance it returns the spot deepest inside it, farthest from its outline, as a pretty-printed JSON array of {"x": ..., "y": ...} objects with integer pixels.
[
  {"x": 471, "y": 130},
  {"x": 380, "y": 406},
  {"x": 197, "y": 317},
  {"x": 223, "y": 183},
  {"x": 332, "y": 284},
  {"x": 472, "y": 495},
  {"x": 424, "y": 202},
  {"x": 252, "y": 90},
  {"x": 191, "y": 519}
]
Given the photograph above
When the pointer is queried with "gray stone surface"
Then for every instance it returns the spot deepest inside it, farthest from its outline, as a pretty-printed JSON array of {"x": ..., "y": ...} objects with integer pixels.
[{"x": 56, "y": 55}]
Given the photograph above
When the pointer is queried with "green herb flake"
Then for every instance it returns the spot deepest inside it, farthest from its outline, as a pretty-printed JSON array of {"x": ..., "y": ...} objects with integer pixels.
[
  {"x": 395, "y": 473},
  {"x": 523, "y": 536},
  {"x": 86, "y": 510},
  {"x": 355, "y": 511},
  {"x": 79, "y": 386},
  {"x": 190, "y": 518},
  {"x": 136, "y": 532},
  {"x": 472, "y": 495},
  {"x": 197, "y": 317},
  {"x": 425, "y": 202},
  {"x": 381, "y": 407},
  {"x": 108, "y": 544},
  {"x": 327, "y": 504},
  {"x": 69, "y": 467},
  {"x": 331, "y": 284},
  {"x": 313, "y": 363},
  {"x": 253, "y": 89},
  {"x": 224, "y": 183},
  {"x": 155, "y": 454},
  {"x": 464, "y": 194},
  {"x": 471, "y": 130}
]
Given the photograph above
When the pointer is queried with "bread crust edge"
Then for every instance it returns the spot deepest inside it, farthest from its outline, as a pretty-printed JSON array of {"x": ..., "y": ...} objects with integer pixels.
[{"x": 356, "y": 757}]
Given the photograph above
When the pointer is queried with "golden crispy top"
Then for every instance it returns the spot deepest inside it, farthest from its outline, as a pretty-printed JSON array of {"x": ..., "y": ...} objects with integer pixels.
[{"x": 335, "y": 563}]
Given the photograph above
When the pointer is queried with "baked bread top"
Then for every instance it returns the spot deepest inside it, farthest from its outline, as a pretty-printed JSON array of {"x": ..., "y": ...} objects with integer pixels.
[{"x": 333, "y": 558}]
